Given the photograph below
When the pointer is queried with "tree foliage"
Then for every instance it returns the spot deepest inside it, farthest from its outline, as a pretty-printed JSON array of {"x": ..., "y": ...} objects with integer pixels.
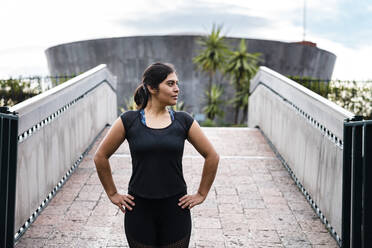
[
  {"x": 13, "y": 91},
  {"x": 214, "y": 108},
  {"x": 213, "y": 54},
  {"x": 241, "y": 67},
  {"x": 211, "y": 58}
]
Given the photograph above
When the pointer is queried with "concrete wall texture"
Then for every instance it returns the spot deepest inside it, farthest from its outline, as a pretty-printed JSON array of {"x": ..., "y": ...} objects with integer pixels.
[
  {"x": 290, "y": 123},
  {"x": 314, "y": 159},
  {"x": 127, "y": 57},
  {"x": 46, "y": 155}
]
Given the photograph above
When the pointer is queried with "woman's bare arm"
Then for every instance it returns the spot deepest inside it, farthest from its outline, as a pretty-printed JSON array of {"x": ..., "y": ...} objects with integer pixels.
[
  {"x": 201, "y": 143},
  {"x": 110, "y": 143}
]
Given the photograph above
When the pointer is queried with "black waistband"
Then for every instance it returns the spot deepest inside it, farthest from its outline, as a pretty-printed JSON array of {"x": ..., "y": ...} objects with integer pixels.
[{"x": 148, "y": 198}]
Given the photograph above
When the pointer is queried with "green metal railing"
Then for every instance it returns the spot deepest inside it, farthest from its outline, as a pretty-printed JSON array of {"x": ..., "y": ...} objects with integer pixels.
[
  {"x": 357, "y": 184},
  {"x": 8, "y": 170}
]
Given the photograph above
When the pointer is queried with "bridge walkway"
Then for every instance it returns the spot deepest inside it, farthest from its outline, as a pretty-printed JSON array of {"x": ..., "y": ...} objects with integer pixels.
[{"x": 252, "y": 203}]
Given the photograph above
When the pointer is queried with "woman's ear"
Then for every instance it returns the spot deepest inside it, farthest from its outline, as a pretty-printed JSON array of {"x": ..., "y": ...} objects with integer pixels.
[{"x": 151, "y": 90}]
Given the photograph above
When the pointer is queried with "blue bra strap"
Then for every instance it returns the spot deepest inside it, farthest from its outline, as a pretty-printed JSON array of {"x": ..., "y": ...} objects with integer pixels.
[
  {"x": 171, "y": 112},
  {"x": 143, "y": 117}
]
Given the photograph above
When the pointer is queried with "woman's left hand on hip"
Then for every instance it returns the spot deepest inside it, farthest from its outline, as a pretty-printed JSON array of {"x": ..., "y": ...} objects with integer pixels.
[{"x": 190, "y": 201}]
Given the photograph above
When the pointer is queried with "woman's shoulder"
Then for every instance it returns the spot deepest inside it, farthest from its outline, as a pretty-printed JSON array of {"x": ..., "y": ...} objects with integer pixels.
[
  {"x": 185, "y": 118},
  {"x": 128, "y": 117},
  {"x": 182, "y": 113},
  {"x": 129, "y": 113}
]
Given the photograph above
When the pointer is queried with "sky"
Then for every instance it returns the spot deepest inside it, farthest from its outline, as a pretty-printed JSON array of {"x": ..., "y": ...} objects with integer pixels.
[{"x": 28, "y": 28}]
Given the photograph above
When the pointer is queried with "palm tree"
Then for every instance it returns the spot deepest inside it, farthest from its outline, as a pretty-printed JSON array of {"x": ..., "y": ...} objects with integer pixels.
[
  {"x": 213, "y": 55},
  {"x": 213, "y": 108},
  {"x": 243, "y": 95},
  {"x": 241, "y": 67}
]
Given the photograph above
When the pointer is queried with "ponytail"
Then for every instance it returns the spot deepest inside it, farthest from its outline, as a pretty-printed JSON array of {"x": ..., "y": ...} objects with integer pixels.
[{"x": 141, "y": 96}]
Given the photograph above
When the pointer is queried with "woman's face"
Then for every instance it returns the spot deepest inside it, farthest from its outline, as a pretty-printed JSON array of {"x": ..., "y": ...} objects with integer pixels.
[{"x": 168, "y": 90}]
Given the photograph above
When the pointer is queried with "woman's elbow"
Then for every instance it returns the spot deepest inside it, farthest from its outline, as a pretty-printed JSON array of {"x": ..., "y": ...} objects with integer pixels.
[
  {"x": 214, "y": 156},
  {"x": 98, "y": 157}
]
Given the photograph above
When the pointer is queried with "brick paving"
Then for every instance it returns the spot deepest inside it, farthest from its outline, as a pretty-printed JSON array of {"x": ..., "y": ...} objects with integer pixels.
[{"x": 252, "y": 203}]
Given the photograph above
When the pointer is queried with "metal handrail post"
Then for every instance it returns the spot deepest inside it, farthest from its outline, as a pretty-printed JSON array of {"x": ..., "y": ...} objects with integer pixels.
[{"x": 8, "y": 173}]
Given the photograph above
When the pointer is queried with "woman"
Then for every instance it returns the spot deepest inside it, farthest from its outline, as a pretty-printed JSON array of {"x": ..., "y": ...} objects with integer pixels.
[{"x": 157, "y": 206}]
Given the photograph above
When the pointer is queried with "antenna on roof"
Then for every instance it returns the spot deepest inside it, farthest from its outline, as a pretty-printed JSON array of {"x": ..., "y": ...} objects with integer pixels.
[{"x": 304, "y": 21}]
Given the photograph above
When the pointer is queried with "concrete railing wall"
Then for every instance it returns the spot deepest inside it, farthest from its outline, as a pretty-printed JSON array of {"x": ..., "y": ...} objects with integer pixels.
[
  {"x": 55, "y": 128},
  {"x": 307, "y": 131}
]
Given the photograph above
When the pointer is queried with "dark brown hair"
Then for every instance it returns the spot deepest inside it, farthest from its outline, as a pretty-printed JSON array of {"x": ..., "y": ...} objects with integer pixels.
[{"x": 152, "y": 76}]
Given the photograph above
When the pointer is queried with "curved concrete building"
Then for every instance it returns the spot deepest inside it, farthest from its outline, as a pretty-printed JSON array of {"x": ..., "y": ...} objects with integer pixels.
[{"x": 127, "y": 57}]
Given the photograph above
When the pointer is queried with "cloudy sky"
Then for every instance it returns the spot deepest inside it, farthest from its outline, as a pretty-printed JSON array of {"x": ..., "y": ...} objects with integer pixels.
[{"x": 28, "y": 28}]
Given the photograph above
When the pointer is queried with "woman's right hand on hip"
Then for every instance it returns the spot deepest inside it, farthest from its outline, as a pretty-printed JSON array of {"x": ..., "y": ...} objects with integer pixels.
[{"x": 122, "y": 201}]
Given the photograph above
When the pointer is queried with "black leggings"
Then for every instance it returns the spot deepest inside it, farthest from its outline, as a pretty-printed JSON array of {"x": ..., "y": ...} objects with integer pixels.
[{"x": 157, "y": 223}]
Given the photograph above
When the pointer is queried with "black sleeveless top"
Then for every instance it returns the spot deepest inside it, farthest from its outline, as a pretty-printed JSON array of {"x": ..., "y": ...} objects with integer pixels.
[{"x": 156, "y": 155}]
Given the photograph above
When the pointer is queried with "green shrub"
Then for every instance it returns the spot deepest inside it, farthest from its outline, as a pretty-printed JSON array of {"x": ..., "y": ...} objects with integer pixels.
[
  {"x": 354, "y": 96},
  {"x": 208, "y": 123},
  {"x": 13, "y": 91}
]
